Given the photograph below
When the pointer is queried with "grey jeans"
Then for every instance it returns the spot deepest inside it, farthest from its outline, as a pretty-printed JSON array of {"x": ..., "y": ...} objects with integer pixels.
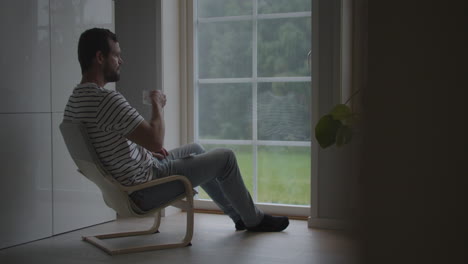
[{"x": 216, "y": 171}]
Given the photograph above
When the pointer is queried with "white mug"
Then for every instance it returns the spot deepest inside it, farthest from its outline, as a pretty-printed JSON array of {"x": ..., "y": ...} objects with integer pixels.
[{"x": 146, "y": 97}]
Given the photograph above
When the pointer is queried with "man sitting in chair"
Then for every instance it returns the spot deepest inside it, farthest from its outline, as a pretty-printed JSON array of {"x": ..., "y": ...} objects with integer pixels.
[{"x": 131, "y": 148}]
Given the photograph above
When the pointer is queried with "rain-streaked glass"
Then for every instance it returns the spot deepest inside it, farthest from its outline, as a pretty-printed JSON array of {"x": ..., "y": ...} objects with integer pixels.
[
  {"x": 225, "y": 49},
  {"x": 283, "y": 6},
  {"x": 221, "y": 8},
  {"x": 284, "y": 111},
  {"x": 283, "y": 45},
  {"x": 225, "y": 111}
]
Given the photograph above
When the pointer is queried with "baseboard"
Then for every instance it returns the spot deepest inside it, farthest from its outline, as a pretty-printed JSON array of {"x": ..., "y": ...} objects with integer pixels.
[
  {"x": 293, "y": 212},
  {"x": 325, "y": 223}
]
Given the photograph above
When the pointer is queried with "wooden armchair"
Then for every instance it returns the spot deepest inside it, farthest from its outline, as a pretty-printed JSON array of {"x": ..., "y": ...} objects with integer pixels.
[{"x": 116, "y": 196}]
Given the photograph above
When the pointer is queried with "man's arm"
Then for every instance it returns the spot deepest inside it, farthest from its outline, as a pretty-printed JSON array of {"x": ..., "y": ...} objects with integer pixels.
[{"x": 150, "y": 135}]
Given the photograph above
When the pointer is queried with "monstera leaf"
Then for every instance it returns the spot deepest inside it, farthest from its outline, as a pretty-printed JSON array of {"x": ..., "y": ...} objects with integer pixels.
[
  {"x": 335, "y": 127},
  {"x": 326, "y": 130}
]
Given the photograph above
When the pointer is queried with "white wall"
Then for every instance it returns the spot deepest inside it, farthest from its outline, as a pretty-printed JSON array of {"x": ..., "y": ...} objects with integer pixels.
[
  {"x": 41, "y": 193},
  {"x": 171, "y": 70},
  {"x": 136, "y": 27},
  {"x": 148, "y": 36}
]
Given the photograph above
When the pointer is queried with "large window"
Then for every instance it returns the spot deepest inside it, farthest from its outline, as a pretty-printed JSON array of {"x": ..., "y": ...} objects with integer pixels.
[{"x": 252, "y": 92}]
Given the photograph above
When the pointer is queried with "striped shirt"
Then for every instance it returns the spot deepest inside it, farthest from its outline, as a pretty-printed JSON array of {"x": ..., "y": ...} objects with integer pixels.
[{"x": 108, "y": 118}]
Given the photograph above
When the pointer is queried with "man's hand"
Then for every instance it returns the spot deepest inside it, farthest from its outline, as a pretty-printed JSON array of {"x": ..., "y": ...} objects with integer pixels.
[
  {"x": 158, "y": 98},
  {"x": 161, "y": 154},
  {"x": 150, "y": 134}
]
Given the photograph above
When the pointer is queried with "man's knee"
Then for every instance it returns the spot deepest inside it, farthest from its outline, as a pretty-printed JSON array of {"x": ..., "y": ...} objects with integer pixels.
[
  {"x": 228, "y": 155},
  {"x": 197, "y": 148},
  {"x": 228, "y": 162}
]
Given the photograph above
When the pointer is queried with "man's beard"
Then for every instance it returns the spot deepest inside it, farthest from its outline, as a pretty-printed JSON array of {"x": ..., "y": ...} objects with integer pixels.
[{"x": 111, "y": 75}]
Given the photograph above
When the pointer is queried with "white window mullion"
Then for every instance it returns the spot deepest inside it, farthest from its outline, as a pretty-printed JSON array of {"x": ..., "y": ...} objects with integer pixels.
[
  {"x": 195, "y": 72},
  {"x": 283, "y": 15},
  {"x": 256, "y": 17},
  {"x": 254, "y": 142},
  {"x": 225, "y": 142},
  {"x": 284, "y": 79},
  {"x": 224, "y": 19},
  {"x": 257, "y": 79},
  {"x": 225, "y": 80},
  {"x": 257, "y": 142},
  {"x": 283, "y": 143},
  {"x": 254, "y": 100}
]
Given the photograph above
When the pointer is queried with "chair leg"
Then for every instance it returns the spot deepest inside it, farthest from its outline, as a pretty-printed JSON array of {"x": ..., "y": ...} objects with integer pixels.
[
  {"x": 190, "y": 220},
  {"x": 98, "y": 240}
]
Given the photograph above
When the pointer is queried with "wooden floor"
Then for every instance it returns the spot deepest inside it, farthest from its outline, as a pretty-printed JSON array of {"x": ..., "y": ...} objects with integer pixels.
[{"x": 215, "y": 241}]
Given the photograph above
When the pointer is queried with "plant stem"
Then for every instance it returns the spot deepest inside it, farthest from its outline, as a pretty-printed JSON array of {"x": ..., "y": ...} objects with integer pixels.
[{"x": 351, "y": 97}]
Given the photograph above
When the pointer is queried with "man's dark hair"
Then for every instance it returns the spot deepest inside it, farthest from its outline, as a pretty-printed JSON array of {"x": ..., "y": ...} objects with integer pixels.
[{"x": 92, "y": 41}]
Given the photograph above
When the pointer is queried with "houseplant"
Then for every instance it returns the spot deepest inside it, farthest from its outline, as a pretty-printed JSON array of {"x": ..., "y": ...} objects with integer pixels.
[{"x": 336, "y": 127}]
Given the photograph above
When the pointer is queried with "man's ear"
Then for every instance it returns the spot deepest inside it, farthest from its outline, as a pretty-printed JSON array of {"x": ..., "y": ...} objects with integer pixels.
[{"x": 99, "y": 57}]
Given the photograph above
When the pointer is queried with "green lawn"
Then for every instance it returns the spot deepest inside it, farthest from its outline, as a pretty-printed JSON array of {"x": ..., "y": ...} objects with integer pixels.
[{"x": 283, "y": 173}]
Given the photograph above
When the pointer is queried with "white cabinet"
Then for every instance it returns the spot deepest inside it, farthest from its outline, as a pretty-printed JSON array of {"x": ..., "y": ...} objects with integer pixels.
[
  {"x": 26, "y": 176},
  {"x": 24, "y": 56},
  {"x": 41, "y": 193}
]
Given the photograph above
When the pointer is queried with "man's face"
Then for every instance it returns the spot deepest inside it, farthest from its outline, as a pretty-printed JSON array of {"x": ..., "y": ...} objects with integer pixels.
[{"x": 111, "y": 67}]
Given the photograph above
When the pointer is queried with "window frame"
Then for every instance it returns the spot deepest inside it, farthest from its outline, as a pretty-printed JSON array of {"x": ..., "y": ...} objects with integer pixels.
[
  {"x": 333, "y": 92},
  {"x": 254, "y": 81}
]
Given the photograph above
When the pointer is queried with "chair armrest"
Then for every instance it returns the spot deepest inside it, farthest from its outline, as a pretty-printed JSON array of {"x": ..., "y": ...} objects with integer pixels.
[{"x": 129, "y": 189}]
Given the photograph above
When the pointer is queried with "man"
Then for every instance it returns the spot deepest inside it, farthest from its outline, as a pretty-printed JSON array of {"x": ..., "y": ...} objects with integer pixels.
[{"x": 131, "y": 148}]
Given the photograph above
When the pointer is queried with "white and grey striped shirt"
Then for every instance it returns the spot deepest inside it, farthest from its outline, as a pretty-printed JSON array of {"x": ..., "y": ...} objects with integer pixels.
[{"x": 109, "y": 118}]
